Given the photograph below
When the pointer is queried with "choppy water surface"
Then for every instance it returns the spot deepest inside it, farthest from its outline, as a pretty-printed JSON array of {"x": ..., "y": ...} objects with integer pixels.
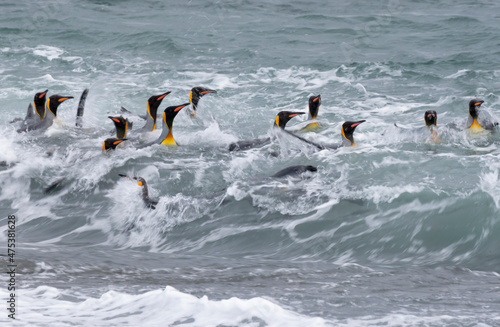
[{"x": 395, "y": 231}]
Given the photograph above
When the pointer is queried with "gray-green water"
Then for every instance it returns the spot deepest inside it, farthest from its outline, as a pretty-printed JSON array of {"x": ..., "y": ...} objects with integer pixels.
[{"x": 396, "y": 231}]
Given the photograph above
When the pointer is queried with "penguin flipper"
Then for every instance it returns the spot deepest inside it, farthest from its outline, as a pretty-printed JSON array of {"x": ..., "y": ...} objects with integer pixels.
[
  {"x": 81, "y": 108},
  {"x": 15, "y": 120},
  {"x": 128, "y": 112},
  {"x": 30, "y": 113},
  {"x": 54, "y": 185},
  {"x": 318, "y": 146},
  {"x": 491, "y": 126},
  {"x": 294, "y": 171},
  {"x": 150, "y": 204},
  {"x": 245, "y": 145}
]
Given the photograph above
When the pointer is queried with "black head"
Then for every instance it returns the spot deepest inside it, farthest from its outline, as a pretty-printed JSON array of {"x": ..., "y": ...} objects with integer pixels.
[
  {"x": 430, "y": 117},
  {"x": 54, "y": 102},
  {"x": 348, "y": 129},
  {"x": 311, "y": 168},
  {"x": 40, "y": 97},
  {"x": 154, "y": 102},
  {"x": 284, "y": 117},
  {"x": 111, "y": 144},
  {"x": 121, "y": 125},
  {"x": 474, "y": 104},
  {"x": 140, "y": 181},
  {"x": 119, "y": 121},
  {"x": 39, "y": 101},
  {"x": 314, "y": 103},
  {"x": 197, "y": 92},
  {"x": 170, "y": 112}
]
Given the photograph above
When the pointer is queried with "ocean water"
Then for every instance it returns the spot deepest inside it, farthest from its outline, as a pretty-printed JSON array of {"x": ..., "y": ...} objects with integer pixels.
[{"x": 398, "y": 230}]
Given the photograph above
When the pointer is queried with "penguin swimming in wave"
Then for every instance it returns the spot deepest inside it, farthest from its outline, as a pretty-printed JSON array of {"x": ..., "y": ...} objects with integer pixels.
[
  {"x": 314, "y": 103},
  {"x": 282, "y": 118},
  {"x": 473, "y": 123},
  {"x": 111, "y": 143},
  {"x": 151, "y": 112},
  {"x": 122, "y": 125},
  {"x": 151, "y": 204},
  {"x": 166, "y": 137},
  {"x": 430, "y": 118},
  {"x": 52, "y": 105},
  {"x": 347, "y": 131},
  {"x": 31, "y": 118},
  {"x": 294, "y": 171},
  {"x": 195, "y": 95}
]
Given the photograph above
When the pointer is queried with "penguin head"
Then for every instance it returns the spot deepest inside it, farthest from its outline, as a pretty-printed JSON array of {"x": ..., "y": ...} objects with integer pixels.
[
  {"x": 170, "y": 112},
  {"x": 54, "y": 102},
  {"x": 140, "y": 181},
  {"x": 153, "y": 104},
  {"x": 121, "y": 125},
  {"x": 196, "y": 93},
  {"x": 430, "y": 117},
  {"x": 40, "y": 97},
  {"x": 311, "y": 168},
  {"x": 111, "y": 143},
  {"x": 474, "y": 105},
  {"x": 348, "y": 130},
  {"x": 314, "y": 103},
  {"x": 284, "y": 117},
  {"x": 39, "y": 100}
]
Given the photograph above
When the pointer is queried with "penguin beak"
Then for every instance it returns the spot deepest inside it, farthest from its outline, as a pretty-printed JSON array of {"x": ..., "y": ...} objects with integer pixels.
[
  {"x": 163, "y": 95},
  {"x": 43, "y": 94},
  {"x": 295, "y": 114},
  {"x": 207, "y": 91},
  {"x": 317, "y": 98},
  {"x": 180, "y": 107},
  {"x": 118, "y": 141},
  {"x": 357, "y": 123},
  {"x": 138, "y": 181},
  {"x": 64, "y": 99},
  {"x": 116, "y": 120},
  {"x": 125, "y": 176},
  {"x": 477, "y": 104}
]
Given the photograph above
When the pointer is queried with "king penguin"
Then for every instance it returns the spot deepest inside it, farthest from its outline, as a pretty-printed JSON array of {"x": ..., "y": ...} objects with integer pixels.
[
  {"x": 314, "y": 103},
  {"x": 31, "y": 118},
  {"x": 473, "y": 123},
  {"x": 111, "y": 143},
  {"x": 195, "y": 95},
  {"x": 50, "y": 113},
  {"x": 151, "y": 112},
  {"x": 282, "y": 118},
  {"x": 166, "y": 137},
  {"x": 430, "y": 118},
  {"x": 151, "y": 204},
  {"x": 347, "y": 131},
  {"x": 39, "y": 105},
  {"x": 122, "y": 126}
]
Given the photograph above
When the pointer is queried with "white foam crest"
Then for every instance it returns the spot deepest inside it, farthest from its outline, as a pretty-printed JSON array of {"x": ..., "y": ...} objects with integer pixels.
[
  {"x": 7, "y": 149},
  {"x": 410, "y": 319},
  {"x": 381, "y": 193},
  {"x": 211, "y": 80},
  {"x": 46, "y": 306},
  {"x": 489, "y": 183},
  {"x": 212, "y": 135},
  {"x": 48, "y": 52},
  {"x": 241, "y": 163},
  {"x": 304, "y": 79},
  {"x": 459, "y": 73}
]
